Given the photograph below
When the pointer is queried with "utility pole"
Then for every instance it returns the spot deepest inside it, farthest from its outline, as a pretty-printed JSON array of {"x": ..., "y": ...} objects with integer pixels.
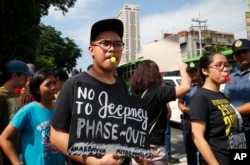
[{"x": 200, "y": 22}]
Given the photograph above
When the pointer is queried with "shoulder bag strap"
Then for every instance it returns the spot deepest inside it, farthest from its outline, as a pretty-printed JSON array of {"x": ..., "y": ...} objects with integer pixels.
[
  {"x": 144, "y": 93},
  {"x": 156, "y": 119},
  {"x": 153, "y": 125}
]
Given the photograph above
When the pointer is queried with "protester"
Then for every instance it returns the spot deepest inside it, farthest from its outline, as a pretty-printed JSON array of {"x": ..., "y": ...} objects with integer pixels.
[
  {"x": 238, "y": 88},
  {"x": 75, "y": 72},
  {"x": 61, "y": 76},
  {"x": 168, "y": 131},
  {"x": 171, "y": 159},
  {"x": 216, "y": 124},
  {"x": 14, "y": 75},
  {"x": 33, "y": 123},
  {"x": 146, "y": 82},
  {"x": 25, "y": 94},
  {"x": 184, "y": 106},
  {"x": 105, "y": 44}
]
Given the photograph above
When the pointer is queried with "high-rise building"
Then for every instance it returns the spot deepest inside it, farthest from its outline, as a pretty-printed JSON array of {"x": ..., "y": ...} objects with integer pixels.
[{"x": 130, "y": 16}]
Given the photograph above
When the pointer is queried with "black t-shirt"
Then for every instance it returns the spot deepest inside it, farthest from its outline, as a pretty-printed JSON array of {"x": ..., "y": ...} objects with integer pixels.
[
  {"x": 156, "y": 99},
  {"x": 63, "y": 109},
  {"x": 215, "y": 110}
]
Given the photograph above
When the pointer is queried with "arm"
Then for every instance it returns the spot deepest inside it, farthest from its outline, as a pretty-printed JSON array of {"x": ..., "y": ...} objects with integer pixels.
[
  {"x": 244, "y": 109},
  {"x": 198, "y": 131},
  {"x": 59, "y": 138},
  {"x": 185, "y": 110},
  {"x": 185, "y": 81},
  {"x": 169, "y": 114},
  {"x": 182, "y": 107},
  {"x": 6, "y": 143}
]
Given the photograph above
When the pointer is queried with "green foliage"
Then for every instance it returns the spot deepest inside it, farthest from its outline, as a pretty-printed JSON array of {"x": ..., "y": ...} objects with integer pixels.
[
  {"x": 215, "y": 48},
  {"x": 19, "y": 29},
  {"x": 43, "y": 62},
  {"x": 63, "y": 50},
  {"x": 21, "y": 36},
  {"x": 62, "y": 5}
]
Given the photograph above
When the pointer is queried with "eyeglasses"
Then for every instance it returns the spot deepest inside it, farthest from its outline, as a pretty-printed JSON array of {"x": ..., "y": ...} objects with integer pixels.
[
  {"x": 106, "y": 45},
  {"x": 220, "y": 66}
]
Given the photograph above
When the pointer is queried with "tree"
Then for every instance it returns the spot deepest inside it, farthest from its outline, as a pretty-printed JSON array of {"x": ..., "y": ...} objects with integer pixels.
[
  {"x": 62, "y": 51},
  {"x": 18, "y": 29},
  {"x": 59, "y": 4},
  {"x": 19, "y": 26},
  {"x": 215, "y": 48}
]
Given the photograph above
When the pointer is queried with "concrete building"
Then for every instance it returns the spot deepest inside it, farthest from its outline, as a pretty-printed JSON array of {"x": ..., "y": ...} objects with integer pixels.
[
  {"x": 165, "y": 52},
  {"x": 130, "y": 16},
  {"x": 247, "y": 13},
  {"x": 192, "y": 43},
  {"x": 190, "y": 46}
]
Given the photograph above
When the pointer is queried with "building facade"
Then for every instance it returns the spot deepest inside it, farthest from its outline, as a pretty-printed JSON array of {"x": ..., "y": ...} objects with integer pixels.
[
  {"x": 247, "y": 13},
  {"x": 130, "y": 16},
  {"x": 190, "y": 43}
]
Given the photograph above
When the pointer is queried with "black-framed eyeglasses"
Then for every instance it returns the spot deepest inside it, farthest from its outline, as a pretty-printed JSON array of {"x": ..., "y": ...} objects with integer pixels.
[
  {"x": 106, "y": 45},
  {"x": 220, "y": 66}
]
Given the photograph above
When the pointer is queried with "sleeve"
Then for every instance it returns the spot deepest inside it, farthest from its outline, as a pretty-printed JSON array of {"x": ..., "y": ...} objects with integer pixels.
[
  {"x": 199, "y": 107},
  {"x": 166, "y": 93},
  {"x": 4, "y": 115},
  {"x": 20, "y": 118},
  {"x": 63, "y": 107}
]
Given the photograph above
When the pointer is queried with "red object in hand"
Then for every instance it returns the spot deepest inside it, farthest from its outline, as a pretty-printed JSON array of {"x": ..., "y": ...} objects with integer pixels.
[{"x": 227, "y": 78}]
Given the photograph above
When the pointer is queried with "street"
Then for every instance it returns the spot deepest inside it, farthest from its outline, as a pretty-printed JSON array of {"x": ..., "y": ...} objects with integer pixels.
[{"x": 177, "y": 146}]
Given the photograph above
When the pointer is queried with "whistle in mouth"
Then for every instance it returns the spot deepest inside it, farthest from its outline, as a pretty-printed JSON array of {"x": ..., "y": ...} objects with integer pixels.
[
  {"x": 113, "y": 59},
  {"x": 227, "y": 78}
]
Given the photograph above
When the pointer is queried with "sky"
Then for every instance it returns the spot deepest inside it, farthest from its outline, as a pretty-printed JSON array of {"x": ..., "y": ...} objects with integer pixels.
[{"x": 157, "y": 17}]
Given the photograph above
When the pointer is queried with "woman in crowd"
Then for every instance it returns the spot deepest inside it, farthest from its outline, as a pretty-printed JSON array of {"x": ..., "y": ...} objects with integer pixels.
[
  {"x": 33, "y": 123},
  {"x": 146, "y": 82},
  {"x": 216, "y": 125}
]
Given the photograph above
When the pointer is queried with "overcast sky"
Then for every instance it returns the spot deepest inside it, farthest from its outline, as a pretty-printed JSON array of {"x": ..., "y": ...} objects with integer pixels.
[{"x": 156, "y": 17}]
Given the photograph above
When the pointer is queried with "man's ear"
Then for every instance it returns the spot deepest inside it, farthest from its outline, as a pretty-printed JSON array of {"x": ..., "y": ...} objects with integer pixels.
[{"x": 91, "y": 51}]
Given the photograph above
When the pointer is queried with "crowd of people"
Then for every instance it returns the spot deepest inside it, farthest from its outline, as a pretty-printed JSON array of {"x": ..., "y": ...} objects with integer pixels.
[
  {"x": 27, "y": 103},
  {"x": 38, "y": 108}
]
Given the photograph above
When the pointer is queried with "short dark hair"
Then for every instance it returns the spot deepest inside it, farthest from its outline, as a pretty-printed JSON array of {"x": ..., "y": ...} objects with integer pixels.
[{"x": 61, "y": 74}]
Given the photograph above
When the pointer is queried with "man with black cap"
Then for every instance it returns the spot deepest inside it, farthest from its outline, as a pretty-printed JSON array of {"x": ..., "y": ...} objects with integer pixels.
[
  {"x": 106, "y": 50},
  {"x": 238, "y": 87},
  {"x": 184, "y": 106}
]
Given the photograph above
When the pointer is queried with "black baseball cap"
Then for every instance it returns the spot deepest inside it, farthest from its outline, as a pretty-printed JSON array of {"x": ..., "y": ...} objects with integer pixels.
[
  {"x": 115, "y": 25},
  {"x": 240, "y": 44},
  {"x": 191, "y": 66}
]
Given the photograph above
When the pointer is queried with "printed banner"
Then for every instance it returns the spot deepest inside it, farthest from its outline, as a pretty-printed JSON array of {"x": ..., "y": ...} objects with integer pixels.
[{"x": 105, "y": 121}]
